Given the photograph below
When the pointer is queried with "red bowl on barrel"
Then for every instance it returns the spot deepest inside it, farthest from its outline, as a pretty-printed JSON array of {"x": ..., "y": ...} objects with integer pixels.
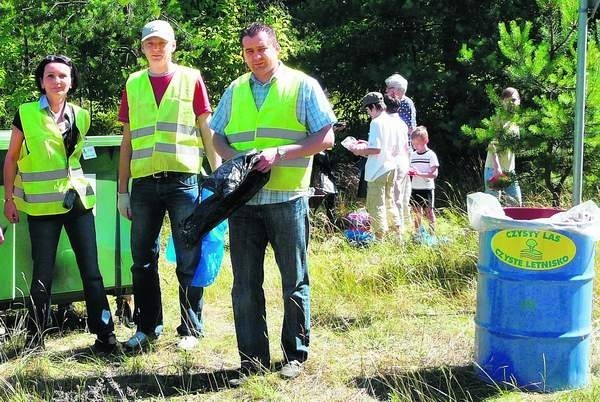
[{"x": 526, "y": 213}]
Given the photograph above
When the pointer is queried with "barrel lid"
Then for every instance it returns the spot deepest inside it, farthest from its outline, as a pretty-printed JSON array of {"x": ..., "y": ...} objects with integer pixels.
[{"x": 526, "y": 213}]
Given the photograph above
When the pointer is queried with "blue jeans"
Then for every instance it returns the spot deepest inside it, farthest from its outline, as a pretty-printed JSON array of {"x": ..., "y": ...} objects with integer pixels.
[
  {"x": 44, "y": 232},
  {"x": 512, "y": 193},
  {"x": 151, "y": 198},
  {"x": 251, "y": 228}
]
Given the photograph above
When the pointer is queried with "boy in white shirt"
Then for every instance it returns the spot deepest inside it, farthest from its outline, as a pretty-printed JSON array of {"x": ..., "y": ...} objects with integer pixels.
[
  {"x": 383, "y": 151},
  {"x": 424, "y": 170}
]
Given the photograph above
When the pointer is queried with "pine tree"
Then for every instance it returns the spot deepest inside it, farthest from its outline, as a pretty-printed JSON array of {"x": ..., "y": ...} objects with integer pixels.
[{"x": 541, "y": 63}]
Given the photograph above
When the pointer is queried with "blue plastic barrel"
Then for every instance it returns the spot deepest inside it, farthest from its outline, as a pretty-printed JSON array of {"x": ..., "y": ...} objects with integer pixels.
[{"x": 534, "y": 305}]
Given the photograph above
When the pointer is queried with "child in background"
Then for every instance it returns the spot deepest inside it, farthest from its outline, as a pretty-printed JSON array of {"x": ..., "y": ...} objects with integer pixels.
[{"x": 423, "y": 170}]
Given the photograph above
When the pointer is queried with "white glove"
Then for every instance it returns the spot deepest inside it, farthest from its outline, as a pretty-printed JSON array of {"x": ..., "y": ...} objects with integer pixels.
[{"x": 124, "y": 205}]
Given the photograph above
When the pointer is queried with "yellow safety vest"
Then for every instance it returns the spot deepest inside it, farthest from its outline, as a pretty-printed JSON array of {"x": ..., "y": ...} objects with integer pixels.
[
  {"x": 275, "y": 124},
  {"x": 44, "y": 171},
  {"x": 164, "y": 137}
]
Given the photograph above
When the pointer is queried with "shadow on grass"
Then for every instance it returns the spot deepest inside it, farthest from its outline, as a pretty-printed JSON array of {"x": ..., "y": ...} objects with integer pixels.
[
  {"x": 450, "y": 383},
  {"x": 121, "y": 387},
  {"x": 338, "y": 323}
]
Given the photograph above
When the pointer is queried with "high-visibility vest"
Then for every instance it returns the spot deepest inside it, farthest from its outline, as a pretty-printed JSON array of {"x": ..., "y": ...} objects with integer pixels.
[
  {"x": 45, "y": 173},
  {"x": 164, "y": 137},
  {"x": 275, "y": 124}
]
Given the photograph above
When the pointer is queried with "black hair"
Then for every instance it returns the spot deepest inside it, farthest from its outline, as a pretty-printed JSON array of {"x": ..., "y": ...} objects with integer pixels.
[
  {"x": 392, "y": 105},
  {"x": 508, "y": 92},
  {"x": 52, "y": 58},
  {"x": 253, "y": 29},
  {"x": 377, "y": 106}
]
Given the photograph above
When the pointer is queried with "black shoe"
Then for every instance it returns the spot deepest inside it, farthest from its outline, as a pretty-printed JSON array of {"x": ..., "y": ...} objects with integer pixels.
[{"x": 106, "y": 344}]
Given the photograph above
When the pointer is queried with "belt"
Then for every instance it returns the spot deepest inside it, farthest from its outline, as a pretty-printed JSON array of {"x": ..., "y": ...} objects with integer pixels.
[{"x": 165, "y": 174}]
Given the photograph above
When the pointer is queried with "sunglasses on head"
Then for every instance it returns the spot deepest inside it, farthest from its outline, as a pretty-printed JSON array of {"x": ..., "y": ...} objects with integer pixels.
[{"x": 60, "y": 58}]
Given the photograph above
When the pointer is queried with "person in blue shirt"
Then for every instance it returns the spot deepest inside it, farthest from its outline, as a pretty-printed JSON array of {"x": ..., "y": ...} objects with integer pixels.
[{"x": 291, "y": 120}]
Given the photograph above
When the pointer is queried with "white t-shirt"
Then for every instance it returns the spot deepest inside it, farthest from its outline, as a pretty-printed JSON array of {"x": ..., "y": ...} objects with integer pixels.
[
  {"x": 423, "y": 163},
  {"x": 389, "y": 134}
]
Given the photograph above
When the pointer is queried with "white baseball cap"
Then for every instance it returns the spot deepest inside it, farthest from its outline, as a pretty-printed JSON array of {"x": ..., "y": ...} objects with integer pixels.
[{"x": 159, "y": 28}]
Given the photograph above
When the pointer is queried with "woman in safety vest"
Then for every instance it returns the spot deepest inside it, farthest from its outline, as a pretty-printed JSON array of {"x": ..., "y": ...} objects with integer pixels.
[{"x": 44, "y": 180}]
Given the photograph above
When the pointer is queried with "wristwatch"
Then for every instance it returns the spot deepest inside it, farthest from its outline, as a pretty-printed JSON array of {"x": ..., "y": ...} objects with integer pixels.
[{"x": 281, "y": 153}]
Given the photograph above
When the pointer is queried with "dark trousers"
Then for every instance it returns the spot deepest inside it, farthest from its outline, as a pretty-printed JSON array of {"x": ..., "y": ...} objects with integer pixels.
[
  {"x": 285, "y": 226},
  {"x": 44, "y": 232},
  {"x": 151, "y": 198}
]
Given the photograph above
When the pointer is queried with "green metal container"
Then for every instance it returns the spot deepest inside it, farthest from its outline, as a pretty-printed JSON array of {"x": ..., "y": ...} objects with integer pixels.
[{"x": 100, "y": 164}]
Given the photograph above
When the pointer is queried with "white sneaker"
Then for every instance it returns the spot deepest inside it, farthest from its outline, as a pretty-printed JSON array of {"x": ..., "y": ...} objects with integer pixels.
[{"x": 188, "y": 342}]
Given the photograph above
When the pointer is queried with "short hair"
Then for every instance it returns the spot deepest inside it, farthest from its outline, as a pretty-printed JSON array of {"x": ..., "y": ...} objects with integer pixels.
[
  {"x": 508, "y": 92},
  {"x": 52, "y": 58},
  {"x": 420, "y": 132},
  {"x": 253, "y": 29},
  {"x": 378, "y": 106},
  {"x": 392, "y": 105},
  {"x": 397, "y": 81}
]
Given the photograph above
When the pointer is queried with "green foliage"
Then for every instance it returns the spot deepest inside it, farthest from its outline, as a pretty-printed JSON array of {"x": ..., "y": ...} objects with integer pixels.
[
  {"x": 353, "y": 46},
  {"x": 103, "y": 39},
  {"x": 541, "y": 63}
]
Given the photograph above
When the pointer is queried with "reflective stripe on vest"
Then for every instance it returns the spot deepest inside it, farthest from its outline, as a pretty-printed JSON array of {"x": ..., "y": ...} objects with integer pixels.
[
  {"x": 275, "y": 124},
  {"x": 44, "y": 172},
  {"x": 164, "y": 137}
]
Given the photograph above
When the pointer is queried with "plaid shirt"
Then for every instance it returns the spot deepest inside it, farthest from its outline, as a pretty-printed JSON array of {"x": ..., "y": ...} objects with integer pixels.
[{"x": 313, "y": 110}]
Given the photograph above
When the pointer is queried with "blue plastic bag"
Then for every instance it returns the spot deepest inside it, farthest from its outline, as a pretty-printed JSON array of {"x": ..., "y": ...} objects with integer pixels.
[
  {"x": 211, "y": 251},
  {"x": 360, "y": 238},
  {"x": 170, "y": 253},
  {"x": 211, "y": 256}
]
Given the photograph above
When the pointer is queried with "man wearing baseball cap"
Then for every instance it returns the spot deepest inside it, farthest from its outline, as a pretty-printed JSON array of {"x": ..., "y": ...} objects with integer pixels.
[{"x": 165, "y": 112}]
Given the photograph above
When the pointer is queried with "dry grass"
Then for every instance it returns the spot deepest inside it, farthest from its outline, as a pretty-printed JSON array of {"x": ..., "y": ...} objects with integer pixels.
[{"x": 390, "y": 322}]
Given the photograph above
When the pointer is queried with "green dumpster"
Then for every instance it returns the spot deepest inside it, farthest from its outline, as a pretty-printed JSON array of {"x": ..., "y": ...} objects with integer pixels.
[{"x": 100, "y": 164}]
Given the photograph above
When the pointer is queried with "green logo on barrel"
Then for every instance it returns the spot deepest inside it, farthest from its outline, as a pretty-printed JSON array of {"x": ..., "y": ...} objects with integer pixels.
[{"x": 536, "y": 250}]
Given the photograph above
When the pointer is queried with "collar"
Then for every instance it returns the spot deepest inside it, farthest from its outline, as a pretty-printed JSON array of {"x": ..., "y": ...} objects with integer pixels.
[
  {"x": 173, "y": 68},
  {"x": 44, "y": 102},
  {"x": 45, "y": 105},
  {"x": 274, "y": 77}
]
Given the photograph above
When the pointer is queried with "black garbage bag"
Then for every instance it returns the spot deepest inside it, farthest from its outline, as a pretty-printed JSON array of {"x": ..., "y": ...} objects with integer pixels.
[{"x": 233, "y": 184}]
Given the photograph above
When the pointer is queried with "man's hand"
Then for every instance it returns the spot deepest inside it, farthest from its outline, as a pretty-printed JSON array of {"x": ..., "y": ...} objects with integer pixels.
[
  {"x": 124, "y": 205},
  {"x": 10, "y": 211},
  {"x": 267, "y": 158}
]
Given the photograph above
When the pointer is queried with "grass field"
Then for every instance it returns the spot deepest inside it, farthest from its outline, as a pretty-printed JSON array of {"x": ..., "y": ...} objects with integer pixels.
[{"x": 390, "y": 322}]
